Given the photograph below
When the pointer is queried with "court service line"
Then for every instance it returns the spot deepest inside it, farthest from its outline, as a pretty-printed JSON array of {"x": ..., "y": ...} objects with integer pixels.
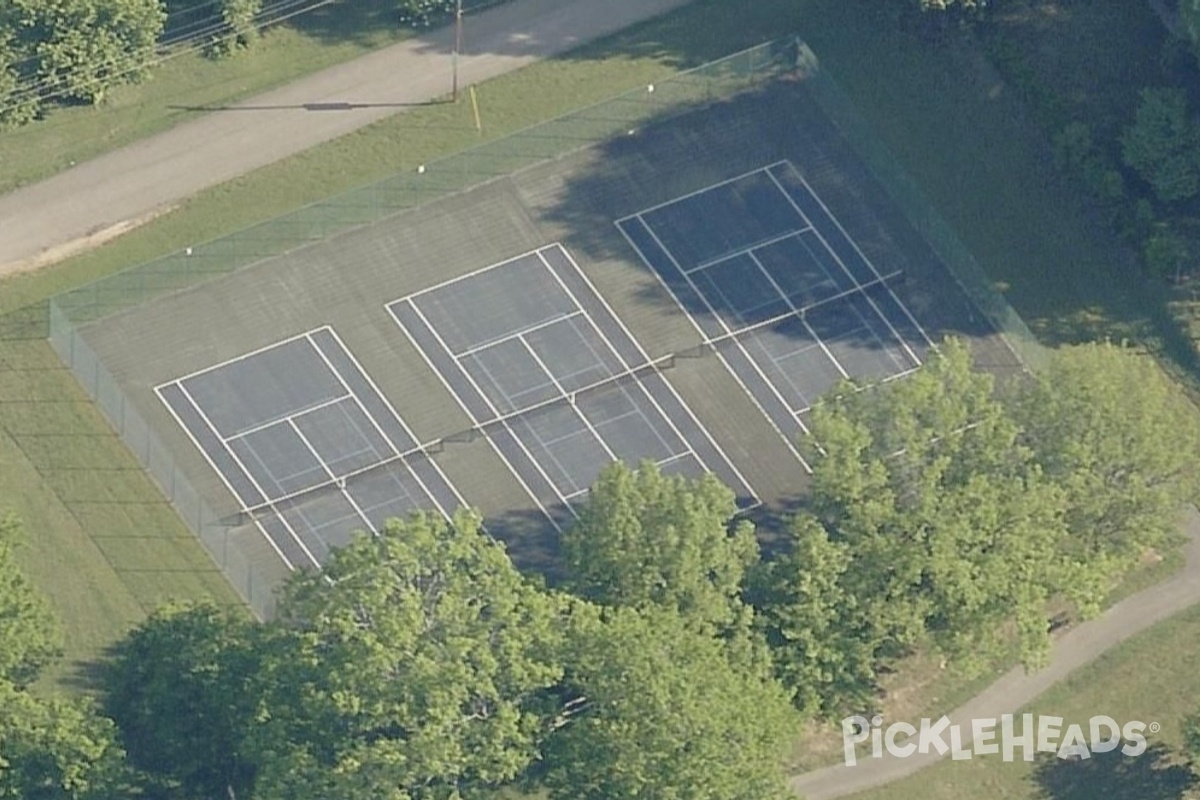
[
  {"x": 704, "y": 338},
  {"x": 453, "y": 393},
  {"x": 508, "y": 337},
  {"x": 340, "y": 484},
  {"x": 741, "y": 347},
  {"x": 620, "y": 323},
  {"x": 803, "y": 321},
  {"x": 220, "y": 474},
  {"x": 842, "y": 263},
  {"x": 854, "y": 244},
  {"x": 285, "y": 418},
  {"x": 418, "y": 447},
  {"x": 748, "y": 250},
  {"x": 249, "y": 475}
]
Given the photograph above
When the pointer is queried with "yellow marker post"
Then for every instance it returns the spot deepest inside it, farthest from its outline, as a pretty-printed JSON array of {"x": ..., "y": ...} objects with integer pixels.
[{"x": 475, "y": 106}]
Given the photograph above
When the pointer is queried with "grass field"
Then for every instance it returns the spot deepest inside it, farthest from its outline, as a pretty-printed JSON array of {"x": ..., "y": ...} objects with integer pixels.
[
  {"x": 962, "y": 133},
  {"x": 1150, "y": 678},
  {"x": 187, "y": 80}
]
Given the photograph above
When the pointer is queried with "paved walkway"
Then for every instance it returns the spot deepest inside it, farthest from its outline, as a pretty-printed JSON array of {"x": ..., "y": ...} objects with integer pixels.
[
  {"x": 1015, "y": 690},
  {"x": 87, "y": 204}
]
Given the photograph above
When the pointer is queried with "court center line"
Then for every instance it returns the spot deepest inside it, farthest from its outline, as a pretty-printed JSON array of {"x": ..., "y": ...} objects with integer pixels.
[
  {"x": 285, "y": 418},
  {"x": 740, "y": 346},
  {"x": 329, "y": 364},
  {"x": 220, "y": 473},
  {"x": 341, "y": 484},
  {"x": 704, "y": 339},
  {"x": 508, "y": 337},
  {"x": 854, "y": 243},
  {"x": 620, "y": 323},
  {"x": 387, "y": 404},
  {"x": 249, "y": 476},
  {"x": 842, "y": 263},
  {"x": 487, "y": 401},
  {"x": 747, "y": 250},
  {"x": 799, "y": 315}
]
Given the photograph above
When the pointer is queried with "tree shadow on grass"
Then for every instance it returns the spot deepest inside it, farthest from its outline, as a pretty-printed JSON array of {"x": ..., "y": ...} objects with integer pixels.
[{"x": 1156, "y": 774}]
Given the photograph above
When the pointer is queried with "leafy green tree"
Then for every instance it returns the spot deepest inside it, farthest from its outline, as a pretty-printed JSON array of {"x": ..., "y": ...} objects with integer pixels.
[
  {"x": 646, "y": 539},
  {"x": 951, "y": 529},
  {"x": 238, "y": 17},
  {"x": 1122, "y": 441},
  {"x": 424, "y": 13},
  {"x": 415, "y": 665},
  {"x": 57, "y": 749},
  {"x": 181, "y": 688},
  {"x": 663, "y": 713},
  {"x": 18, "y": 104},
  {"x": 1191, "y": 737},
  {"x": 28, "y": 628},
  {"x": 1189, "y": 10},
  {"x": 1163, "y": 144},
  {"x": 815, "y": 627},
  {"x": 81, "y": 49}
]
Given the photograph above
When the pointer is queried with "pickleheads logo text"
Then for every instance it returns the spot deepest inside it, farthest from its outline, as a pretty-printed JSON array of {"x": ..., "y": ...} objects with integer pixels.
[{"x": 1005, "y": 736}]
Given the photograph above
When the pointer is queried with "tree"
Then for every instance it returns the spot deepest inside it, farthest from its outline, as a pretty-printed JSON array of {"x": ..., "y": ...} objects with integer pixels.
[
  {"x": 240, "y": 31},
  {"x": 28, "y": 628},
  {"x": 415, "y": 665},
  {"x": 1189, "y": 11},
  {"x": 1121, "y": 440},
  {"x": 950, "y": 527},
  {"x": 56, "y": 749},
  {"x": 18, "y": 104},
  {"x": 181, "y": 688},
  {"x": 1163, "y": 144},
  {"x": 815, "y": 627},
  {"x": 1191, "y": 737},
  {"x": 81, "y": 49},
  {"x": 646, "y": 539},
  {"x": 424, "y": 13},
  {"x": 664, "y": 714}
]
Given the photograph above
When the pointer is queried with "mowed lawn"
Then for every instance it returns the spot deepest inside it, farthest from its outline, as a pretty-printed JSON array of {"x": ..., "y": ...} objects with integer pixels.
[
  {"x": 107, "y": 549},
  {"x": 186, "y": 80},
  {"x": 1150, "y": 678}
]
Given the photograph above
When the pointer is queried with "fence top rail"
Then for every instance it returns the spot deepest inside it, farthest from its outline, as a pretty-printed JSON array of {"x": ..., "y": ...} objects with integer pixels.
[{"x": 749, "y": 59}]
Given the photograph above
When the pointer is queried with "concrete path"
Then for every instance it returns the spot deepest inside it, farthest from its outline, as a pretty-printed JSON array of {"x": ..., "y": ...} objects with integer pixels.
[
  {"x": 1072, "y": 650},
  {"x": 94, "y": 201}
]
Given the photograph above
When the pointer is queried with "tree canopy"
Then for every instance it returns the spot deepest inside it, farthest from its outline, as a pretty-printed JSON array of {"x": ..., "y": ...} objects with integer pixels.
[
  {"x": 645, "y": 539},
  {"x": 30, "y": 631},
  {"x": 665, "y": 714},
  {"x": 1163, "y": 144}
]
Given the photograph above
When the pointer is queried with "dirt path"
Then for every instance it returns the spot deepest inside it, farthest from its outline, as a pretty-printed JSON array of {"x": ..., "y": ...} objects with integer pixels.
[
  {"x": 88, "y": 204},
  {"x": 1016, "y": 689}
]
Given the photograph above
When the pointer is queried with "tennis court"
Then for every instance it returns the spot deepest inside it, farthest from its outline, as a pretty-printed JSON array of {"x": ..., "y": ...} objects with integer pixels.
[
  {"x": 777, "y": 287},
  {"x": 553, "y": 378},
  {"x": 307, "y": 444}
]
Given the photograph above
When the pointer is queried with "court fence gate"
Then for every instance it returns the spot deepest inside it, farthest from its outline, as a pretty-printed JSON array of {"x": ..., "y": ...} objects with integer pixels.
[{"x": 226, "y": 538}]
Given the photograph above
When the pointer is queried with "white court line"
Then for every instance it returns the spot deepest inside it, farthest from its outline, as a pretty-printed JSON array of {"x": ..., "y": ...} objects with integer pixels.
[
  {"x": 244, "y": 356},
  {"x": 508, "y": 337},
  {"x": 689, "y": 195},
  {"x": 460, "y": 278},
  {"x": 748, "y": 250},
  {"x": 366, "y": 376},
  {"x": 753, "y": 363},
  {"x": 571, "y": 399},
  {"x": 220, "y": 474},
  {"x": 466, "y": 409},
  {"x": 704, "y": 338},
  {"x": 285, "y": 418},
  {"x": 340, "y": 484},
  {"x": 249, "y": 475},
  {"x": 842, "y": 264},
  {"x": 854, "y": 244},
  {"x": 646, "y": 356},
  {"x": 800, "y": 316},
  {"x": 329, "y": 364}
]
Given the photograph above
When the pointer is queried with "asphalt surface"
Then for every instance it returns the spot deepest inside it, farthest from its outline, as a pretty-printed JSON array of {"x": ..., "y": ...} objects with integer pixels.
[
  {"x": 1015, "y": 690},
  {"x": 94, "y": 201}
]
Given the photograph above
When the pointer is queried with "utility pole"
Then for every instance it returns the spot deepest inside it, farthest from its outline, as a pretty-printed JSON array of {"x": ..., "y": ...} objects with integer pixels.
[{"x": 458, "y": 19}]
